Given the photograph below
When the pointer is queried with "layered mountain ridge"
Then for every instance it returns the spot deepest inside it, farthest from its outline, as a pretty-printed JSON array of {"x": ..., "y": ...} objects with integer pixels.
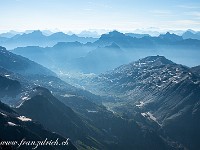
[
  {"x": 75, "y": 56},
  {"x": 37, "y": 38}
]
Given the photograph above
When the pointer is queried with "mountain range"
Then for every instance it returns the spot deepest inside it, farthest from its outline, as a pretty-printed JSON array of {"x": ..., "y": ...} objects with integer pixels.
[
  {"x": 46, "y": 38},
  {"x": 37, "y": 38},
  {"x": 145, "y": 101},
  {"x": 92, "y": 57}
]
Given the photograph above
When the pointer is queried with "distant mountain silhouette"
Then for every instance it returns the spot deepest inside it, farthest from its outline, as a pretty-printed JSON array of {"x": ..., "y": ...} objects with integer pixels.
[
  {"x": 171, "y": 45},
  {"x": 144, "y": 42},
  {"x": 37, "y": 38},
  {"x": 191, "y": 35},
  {"x": 113, "y": 37},
  {"x": 136, "y": 35},
  {"x": 93, "y": 34},
  {"x": 7, "y": 35},
  {"x": 170, "y": 37}
]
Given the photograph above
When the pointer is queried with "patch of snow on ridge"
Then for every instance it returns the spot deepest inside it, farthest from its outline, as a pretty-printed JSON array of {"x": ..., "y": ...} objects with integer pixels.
[
  {"x": 7, "y": 75},
  {"x": 92, "y": 111},
  {"x": 141, "y": 104},
  {"x": 150, "y": 117},
  {"x": 12, "y": 124},
  {"x": 3, "y": 114},
  {"x": 19, "y": 105},
  {"x": 67, "y": 95},
  {"x": 158, "y": 86},
  {"x": 144, "y": 114},
  {"x": 25, "y": 98},
  {"x": 23, "y": 118}
]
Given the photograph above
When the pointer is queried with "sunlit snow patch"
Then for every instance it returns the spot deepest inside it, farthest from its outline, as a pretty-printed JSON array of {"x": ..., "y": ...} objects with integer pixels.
[
  {"x": 12, "y": 124},
  {"x": 67, "y": 95},
  {"x": 25, "y": 98},
  {"x": 23, "y": 118},
  {"x": 92, "y": 111},
  {"x": 150, "y": 117},
  {"x": 7, "y": 75},
  {"x": 141, "y": 104},
  {"x": 3, "y": 114}
]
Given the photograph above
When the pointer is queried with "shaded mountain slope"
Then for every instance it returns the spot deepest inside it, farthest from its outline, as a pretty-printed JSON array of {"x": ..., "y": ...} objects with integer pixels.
[
  {"x": 9, "y": 87},
  {"x": 22, "y": 65},
  {"x": 196, "y": 69},
  {"x": 16, "y": 128}
]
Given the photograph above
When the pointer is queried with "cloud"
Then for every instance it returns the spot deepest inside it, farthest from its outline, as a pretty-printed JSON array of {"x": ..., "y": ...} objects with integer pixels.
[
  {"x": 161, "y": 13},
  {"x": 184, "y": 23},
  {"x": 88, "y": 9},
  {"x": 189, "y": 6},
  {"x": 106, "y": 5},
  {"x": 194, "y": 14}
]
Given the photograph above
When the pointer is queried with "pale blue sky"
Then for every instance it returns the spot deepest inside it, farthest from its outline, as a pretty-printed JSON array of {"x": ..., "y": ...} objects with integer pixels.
[{"x": 126, "y": 15}]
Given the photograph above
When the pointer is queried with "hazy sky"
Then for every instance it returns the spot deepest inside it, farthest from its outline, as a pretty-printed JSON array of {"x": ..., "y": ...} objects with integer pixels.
[{"x": 99, "y": 14}]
